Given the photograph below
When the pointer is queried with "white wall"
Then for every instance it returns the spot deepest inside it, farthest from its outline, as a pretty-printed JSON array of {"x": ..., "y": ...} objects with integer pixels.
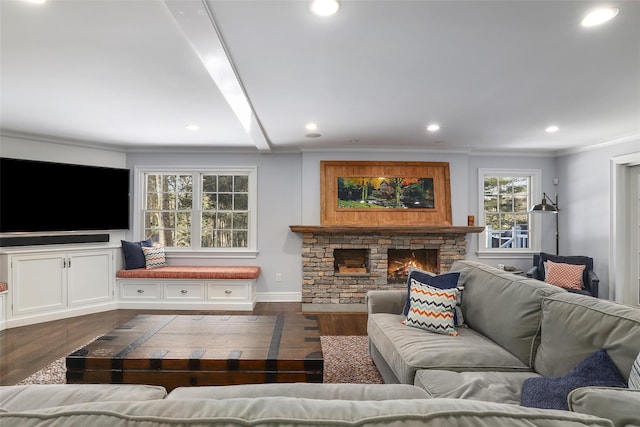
[{"x": 585, "y": 220}]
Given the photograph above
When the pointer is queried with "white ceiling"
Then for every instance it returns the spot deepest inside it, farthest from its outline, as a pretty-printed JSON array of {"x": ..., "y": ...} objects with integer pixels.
[{"x": 130, "y": 74}]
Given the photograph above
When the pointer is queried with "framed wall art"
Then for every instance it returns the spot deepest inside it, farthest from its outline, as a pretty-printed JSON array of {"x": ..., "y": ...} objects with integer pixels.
[{"x": 385, "y": 193}]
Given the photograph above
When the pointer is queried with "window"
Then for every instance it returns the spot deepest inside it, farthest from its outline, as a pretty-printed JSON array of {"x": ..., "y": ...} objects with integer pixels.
[
  {"x": 505, "y": 199},
  {"x": 208, "y": 210}
]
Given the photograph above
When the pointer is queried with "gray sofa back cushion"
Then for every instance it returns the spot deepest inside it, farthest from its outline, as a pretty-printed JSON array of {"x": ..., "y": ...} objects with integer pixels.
[
  {"x": 287, "y": 411},
  {"x": 575, "y": 326},
  {"x": 504, "y": 307}
]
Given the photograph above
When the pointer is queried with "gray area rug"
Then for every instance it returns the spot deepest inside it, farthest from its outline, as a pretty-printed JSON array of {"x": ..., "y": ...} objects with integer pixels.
[{"x": 346, "y": 360}]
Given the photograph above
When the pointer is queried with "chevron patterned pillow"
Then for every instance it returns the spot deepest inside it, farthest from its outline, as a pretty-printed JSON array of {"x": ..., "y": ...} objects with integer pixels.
[
  {"x": 432, "y": 308},
  {"x": 154, "y": 257},
  {"x": 634, "y": 376}
]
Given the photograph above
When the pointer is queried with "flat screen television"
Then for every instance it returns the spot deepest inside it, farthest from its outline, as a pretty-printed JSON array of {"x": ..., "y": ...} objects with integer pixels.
[{"x": 38, "y": 196}]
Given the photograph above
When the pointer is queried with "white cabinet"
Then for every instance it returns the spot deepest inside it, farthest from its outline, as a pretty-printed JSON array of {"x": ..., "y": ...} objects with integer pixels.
[
  {"x": 47, "y": 285},
  {"x": 228, "y": 294}
]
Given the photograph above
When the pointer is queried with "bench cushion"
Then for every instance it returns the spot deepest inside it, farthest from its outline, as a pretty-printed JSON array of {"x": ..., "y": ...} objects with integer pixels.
[{"x": 192, "y": 272}]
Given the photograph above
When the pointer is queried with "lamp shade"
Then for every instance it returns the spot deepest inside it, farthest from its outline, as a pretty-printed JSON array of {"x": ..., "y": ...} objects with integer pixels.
[{"x": 544, "y": 206}]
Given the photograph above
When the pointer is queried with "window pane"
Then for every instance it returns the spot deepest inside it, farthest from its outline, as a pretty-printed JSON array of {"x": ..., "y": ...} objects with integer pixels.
[
  {"x": 239, "y": 239},
  {"x": 209, "y": 183},
  {"x": 225, "y": 202},
  {"x": 209, "y": 201},
  {"x": 224, "y": 221},
  {"x": 223, "y": 239},
  {"x": 240, "y": 202},
  {"x": 225, "y": 183},
  {"x": 241, "y": 184},
  {"x": 240, "y": 221}
]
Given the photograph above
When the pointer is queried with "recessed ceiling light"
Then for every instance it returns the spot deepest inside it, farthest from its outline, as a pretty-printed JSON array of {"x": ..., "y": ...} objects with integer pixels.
[
  {"x": 36, "y": 1},
  {"x": 313, "y": 135},
  {"x": 552, "y": 129},
  {"x": 599, "y": 16},
  {"x": 325, "y": 7},
  {"x": 192, "y": 127},
  {"x": 311, "y": 126},
  {"x": 433, "y": 127}
]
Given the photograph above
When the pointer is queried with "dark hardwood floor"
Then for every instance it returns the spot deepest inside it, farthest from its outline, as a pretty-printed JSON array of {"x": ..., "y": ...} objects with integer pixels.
[{"x": 27, "y": 349}]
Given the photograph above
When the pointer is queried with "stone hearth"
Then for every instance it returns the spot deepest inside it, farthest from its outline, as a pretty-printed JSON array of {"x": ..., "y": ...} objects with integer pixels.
[{"x": 326, "y": 288}]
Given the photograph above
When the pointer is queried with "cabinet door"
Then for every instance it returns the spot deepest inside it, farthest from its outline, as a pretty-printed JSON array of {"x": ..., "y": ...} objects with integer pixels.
[
  {"x": 38, "y": 283},
  {"x": 90, "y": 276}
]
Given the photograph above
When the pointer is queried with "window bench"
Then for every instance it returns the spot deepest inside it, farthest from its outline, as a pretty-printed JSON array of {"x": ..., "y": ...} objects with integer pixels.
[{"x": 188, "y": 287}]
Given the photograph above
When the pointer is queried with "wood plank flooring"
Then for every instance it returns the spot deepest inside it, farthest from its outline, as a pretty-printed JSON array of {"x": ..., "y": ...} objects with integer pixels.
[{"x": 27, "y": 349}]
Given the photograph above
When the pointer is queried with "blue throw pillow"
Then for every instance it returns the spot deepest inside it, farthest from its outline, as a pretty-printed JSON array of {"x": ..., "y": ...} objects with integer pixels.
[
  {"x": 551, "y": 393},
  {"x": 133, "y": 255},
  {"x": 441, "y": 281}
]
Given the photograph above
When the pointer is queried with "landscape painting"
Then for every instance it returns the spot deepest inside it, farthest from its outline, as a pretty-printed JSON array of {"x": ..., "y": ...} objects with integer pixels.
[{"x": 385, "y": 193}]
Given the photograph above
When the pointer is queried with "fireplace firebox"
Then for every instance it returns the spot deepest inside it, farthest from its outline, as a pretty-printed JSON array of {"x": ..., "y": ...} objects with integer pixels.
[{"x": 399, "y": 261}]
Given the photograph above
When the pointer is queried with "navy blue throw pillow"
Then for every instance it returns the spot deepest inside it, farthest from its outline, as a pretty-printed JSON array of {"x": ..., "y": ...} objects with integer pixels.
[
  {"x": 133, "y": 255},
  {"x": 551, "y": 393}
]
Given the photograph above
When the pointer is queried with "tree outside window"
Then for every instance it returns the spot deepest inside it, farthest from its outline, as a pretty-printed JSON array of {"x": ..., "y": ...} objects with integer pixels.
[
  {"x": 505, "y": 209},
  {"x": 200, "y": 210}
]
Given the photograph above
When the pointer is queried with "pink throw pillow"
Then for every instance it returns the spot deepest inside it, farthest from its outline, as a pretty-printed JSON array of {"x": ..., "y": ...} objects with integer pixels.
[{"x": 567, "y": 276}]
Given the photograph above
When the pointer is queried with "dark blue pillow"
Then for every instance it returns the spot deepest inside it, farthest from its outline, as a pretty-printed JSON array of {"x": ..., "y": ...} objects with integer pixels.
[
  {"x": 442, "y": 281},
  {"x": 551, "y": 393},
  {"x": 133, "y": 255}
]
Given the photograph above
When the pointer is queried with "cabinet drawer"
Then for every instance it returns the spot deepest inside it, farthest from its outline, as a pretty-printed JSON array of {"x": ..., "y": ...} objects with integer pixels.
[
  {"x": 228, "y": 291},
  {"x": 184, "y": 291},
  {"x": 140, "y": 291}
]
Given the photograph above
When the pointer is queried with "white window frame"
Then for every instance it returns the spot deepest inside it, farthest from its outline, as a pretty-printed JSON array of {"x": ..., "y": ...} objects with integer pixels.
[
  {"x": 196, "y": 251},
  {"x": 534, "y": 220}
]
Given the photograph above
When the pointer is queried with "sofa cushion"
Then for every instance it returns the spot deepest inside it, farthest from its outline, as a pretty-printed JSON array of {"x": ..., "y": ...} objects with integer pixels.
[
  {"x": 288, "y": 411},
  {"x": 37, "y": 396},
  {"x": 551, "y": 393},
  {"x": 616, "y": 404},
  {"x": 133, "y": 255},
  {"x": 594, "y": 324},
  {"x": 568, "y": 276},
  {"x": 304, "y": 390},
  {"x": 407, "y": 350},
  {"x": 491, "y": 386},
  {"x": 432, "y": 309},
  {"x": 504, "y": 307}
]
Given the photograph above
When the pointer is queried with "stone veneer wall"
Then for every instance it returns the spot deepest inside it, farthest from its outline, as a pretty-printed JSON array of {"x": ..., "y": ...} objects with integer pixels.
[{"x": 323, "y": 285}]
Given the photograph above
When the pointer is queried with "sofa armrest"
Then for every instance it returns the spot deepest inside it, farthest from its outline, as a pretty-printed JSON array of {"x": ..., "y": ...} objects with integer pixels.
[
  {"x": 532, "y": 273},
  {"x": 386, "y": 301},
  {"x": 620, "y": 405},
  {"x": 594, "y": 283}
]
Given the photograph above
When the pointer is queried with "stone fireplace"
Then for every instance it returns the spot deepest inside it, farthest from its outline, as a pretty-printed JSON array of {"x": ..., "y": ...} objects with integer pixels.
[{"x": 340, "y": 264}]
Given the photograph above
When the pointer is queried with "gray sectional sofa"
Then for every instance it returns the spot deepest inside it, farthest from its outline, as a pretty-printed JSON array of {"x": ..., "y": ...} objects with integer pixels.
[
  {"x": 515, "y": 329},
  {"x": 271, "y": 405}
]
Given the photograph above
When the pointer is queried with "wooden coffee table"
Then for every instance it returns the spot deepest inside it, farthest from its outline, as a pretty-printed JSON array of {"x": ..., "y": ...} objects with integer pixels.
[{"x": 184, "y": 350}]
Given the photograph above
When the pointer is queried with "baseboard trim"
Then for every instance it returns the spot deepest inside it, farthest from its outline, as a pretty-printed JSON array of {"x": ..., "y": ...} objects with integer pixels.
[{"x": 334, "y": 308}]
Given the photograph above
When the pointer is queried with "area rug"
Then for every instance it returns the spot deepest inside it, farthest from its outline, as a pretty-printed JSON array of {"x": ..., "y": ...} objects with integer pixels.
[{"x": 346, "y": 360}]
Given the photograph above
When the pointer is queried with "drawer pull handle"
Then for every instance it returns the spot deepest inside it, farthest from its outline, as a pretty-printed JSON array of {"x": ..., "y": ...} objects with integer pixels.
[
  {"x": 140, "y": 291},
  {"x": 228, "y": 291},
  {"x": 184, "y": 291}
]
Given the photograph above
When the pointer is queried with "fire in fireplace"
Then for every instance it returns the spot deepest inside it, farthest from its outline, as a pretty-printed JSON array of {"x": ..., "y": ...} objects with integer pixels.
[{"x": 399, "y": 261}]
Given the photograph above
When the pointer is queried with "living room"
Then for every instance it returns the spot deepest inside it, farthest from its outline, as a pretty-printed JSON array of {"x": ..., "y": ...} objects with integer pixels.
[{"x": 593, "y": 169}]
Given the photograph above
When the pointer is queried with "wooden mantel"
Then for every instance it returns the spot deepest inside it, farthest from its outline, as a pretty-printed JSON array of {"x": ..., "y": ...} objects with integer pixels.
[{"x": 385, "y": 229}]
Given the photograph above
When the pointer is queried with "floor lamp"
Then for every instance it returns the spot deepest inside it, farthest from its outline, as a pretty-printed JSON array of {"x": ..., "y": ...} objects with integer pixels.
[{"x": 552, "y": 208}]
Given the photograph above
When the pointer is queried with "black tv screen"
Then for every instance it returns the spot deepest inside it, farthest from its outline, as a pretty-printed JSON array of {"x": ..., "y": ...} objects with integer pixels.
[{"x": 40, "y": 196}]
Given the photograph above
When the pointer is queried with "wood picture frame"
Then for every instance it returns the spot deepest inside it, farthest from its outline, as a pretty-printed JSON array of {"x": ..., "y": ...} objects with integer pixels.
[{"x": 384, "y": 193}]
